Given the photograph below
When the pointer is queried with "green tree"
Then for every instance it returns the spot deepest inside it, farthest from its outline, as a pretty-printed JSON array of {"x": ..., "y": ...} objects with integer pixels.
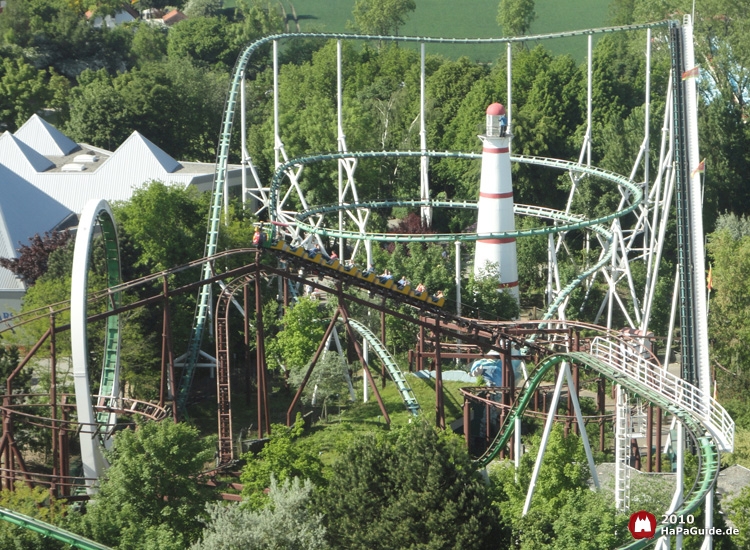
[
  {"x": 515, "y": 16},
  {"x": 149, "y": 44},
  {"x": 728, "y": 325},
  {"x": 327, "y": 381},
  {"x": 416, "y": 486},
  {"x": 9, "y": 359},
  {"x": 202, "y": 8},
  {"x": 287, "y": 522},
  {"x": 36, "y": 503},
  {"x": 206, "y": 41},
  {"x": 23, "y": 91},
  {"x": 282, "y": 458},
  {"x": 561, "y": 494},
  {"x": 150, "y": 496},
  {"x": 97, "y": 115},
  {"x": 483, "y": 299},
  {"x": 303, "y": 329},
  {"x": 164, "y": 224},
  {"x": 382, "y": 17}
]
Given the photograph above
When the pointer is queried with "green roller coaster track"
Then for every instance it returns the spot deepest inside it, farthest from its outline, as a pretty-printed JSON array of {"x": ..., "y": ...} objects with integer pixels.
[
  {"x": 48, "y": 530},
  {"x": 410, "y": 400},
  {"x": 709, "y": 454}
]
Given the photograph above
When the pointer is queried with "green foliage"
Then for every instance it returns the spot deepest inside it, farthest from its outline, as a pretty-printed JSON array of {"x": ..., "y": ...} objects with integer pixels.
[
  {"x": 383, "y": 17},
  {"x": 416, "y": 486},
  {"x": 738, "y": 512},
  {"x": 483, "y": 300},
  {"x": 36, "y": 503},
  {"x": 202, "y": 8},
  {"x": 104, "y": 110},
  {"x": 150, "y": 496},
  {"x": 728, "y": 325},
  {"x": 327, "y": 380},
  {"x": 564, "y": 513},
  {"x": 164, "y": 224},
  {"x": 206, "y": 41},
  {"x": 515, "y": 16},
  {"x": 283, "y": 457},
  {"x": 287, "y": 522},
  {"x": 9, "y": 359},
  {"x": 303, "y": 329},
  {"x": 23, "y": 91},
  {"x": 149, "y": 44}
]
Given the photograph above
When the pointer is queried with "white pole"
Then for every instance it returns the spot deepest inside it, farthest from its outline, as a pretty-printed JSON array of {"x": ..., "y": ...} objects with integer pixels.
[
  {"x": 508, "y": 93},
  {"x": 545, "y": 438},
  {"x": 243, "y": 138},
  {"x": 341, "y": 138},
  {"x": 458, "y": 277},
  {"x": 581, "y": 425}
]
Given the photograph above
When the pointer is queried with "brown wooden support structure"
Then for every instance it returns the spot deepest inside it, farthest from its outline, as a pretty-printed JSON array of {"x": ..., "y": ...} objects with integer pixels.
[
  {"x": 365, "y": 367},
  {"x": 439, "y": 395},
  {"x": 53, "y": 403},
  {"x": 260, "y": 348},
  {"x": 318, "y": 352}
]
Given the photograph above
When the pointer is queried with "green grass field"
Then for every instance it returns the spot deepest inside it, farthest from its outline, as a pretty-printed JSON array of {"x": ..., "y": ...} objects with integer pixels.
[{"x": 453, "y": 19}]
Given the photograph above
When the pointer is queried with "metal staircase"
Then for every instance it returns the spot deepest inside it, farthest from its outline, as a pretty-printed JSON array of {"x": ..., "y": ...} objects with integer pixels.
[{"x": 622, "y": 451}]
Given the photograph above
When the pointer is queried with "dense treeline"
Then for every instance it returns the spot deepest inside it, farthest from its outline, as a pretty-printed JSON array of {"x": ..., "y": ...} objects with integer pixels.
[{"x": 99, "y": 84}]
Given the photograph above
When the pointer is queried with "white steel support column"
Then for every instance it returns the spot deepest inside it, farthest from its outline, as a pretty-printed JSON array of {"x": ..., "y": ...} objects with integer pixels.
[
  {"x": 458, "y": 277},
  {"x": 424, "y": 161},
  {"x": 276, "y": 139},
  {"x": 590, "y": 96},
  {"x": 545, "y": 438},
  {"x": 579, "y": 418},
  {"x": 696, "y": 218},
  {"x": 509, "y": 88},
  {"x": 243, "y": 138},
  {"x": 341, "y": 144},
  {"x": 517, "y": 444}
]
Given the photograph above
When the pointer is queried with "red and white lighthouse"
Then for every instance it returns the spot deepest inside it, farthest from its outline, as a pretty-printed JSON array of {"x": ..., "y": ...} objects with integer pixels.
[{"x": 496, "y": 204}]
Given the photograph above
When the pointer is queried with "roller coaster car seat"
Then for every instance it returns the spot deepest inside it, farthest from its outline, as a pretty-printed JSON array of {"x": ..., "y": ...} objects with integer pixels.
[
  {"x": 350, "y": 269},
  {"x": 388, "y": 283},
  {"x": 406, "y": 289},
  {"x": 317, "y": 258},
  {"x": 333, "y": 264},
  {"x": 369, "y": 277},
  {"x": 276, "y": 245}
]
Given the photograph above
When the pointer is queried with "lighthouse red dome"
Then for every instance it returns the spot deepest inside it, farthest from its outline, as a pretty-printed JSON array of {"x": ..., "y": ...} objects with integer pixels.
[{"x": 496, "y": 109}]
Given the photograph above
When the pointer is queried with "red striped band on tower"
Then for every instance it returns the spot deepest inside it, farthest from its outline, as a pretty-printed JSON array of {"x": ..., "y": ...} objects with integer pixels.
[
  {"x": 498, "y": 241},
  {"x": 496, "y": 195},
  {"x": 495, "y": 150},
  {"x": 507, "y": 285}
]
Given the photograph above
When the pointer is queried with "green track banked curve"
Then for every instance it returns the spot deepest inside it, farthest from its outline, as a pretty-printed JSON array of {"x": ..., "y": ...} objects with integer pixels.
[
  {"x": 707, "y": 448},
  {"x": 49, "y": 530},
  {"x": 397, "y": 376}
]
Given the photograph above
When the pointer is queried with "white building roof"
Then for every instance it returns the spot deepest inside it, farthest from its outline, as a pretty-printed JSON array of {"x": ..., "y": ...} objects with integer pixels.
[
  {"x": 44, "y": 138},
  {"x": 20, "y": 158},
  {"x": 36, "y": 194},
  {"x": 24, "y": 212}
]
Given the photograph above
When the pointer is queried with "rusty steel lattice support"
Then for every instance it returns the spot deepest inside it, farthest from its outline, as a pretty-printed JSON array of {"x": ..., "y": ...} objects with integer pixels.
[
  {"x": 365, "y": 367},
  {"x": 318, "y": 352},
  {"x": 264, "y": 412},
  {"x": 439, "y": 405},
  {"x": 223, "y": 393},
  {"x": 53, "y": 403},
  {"x": 166, "y": 385}
]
